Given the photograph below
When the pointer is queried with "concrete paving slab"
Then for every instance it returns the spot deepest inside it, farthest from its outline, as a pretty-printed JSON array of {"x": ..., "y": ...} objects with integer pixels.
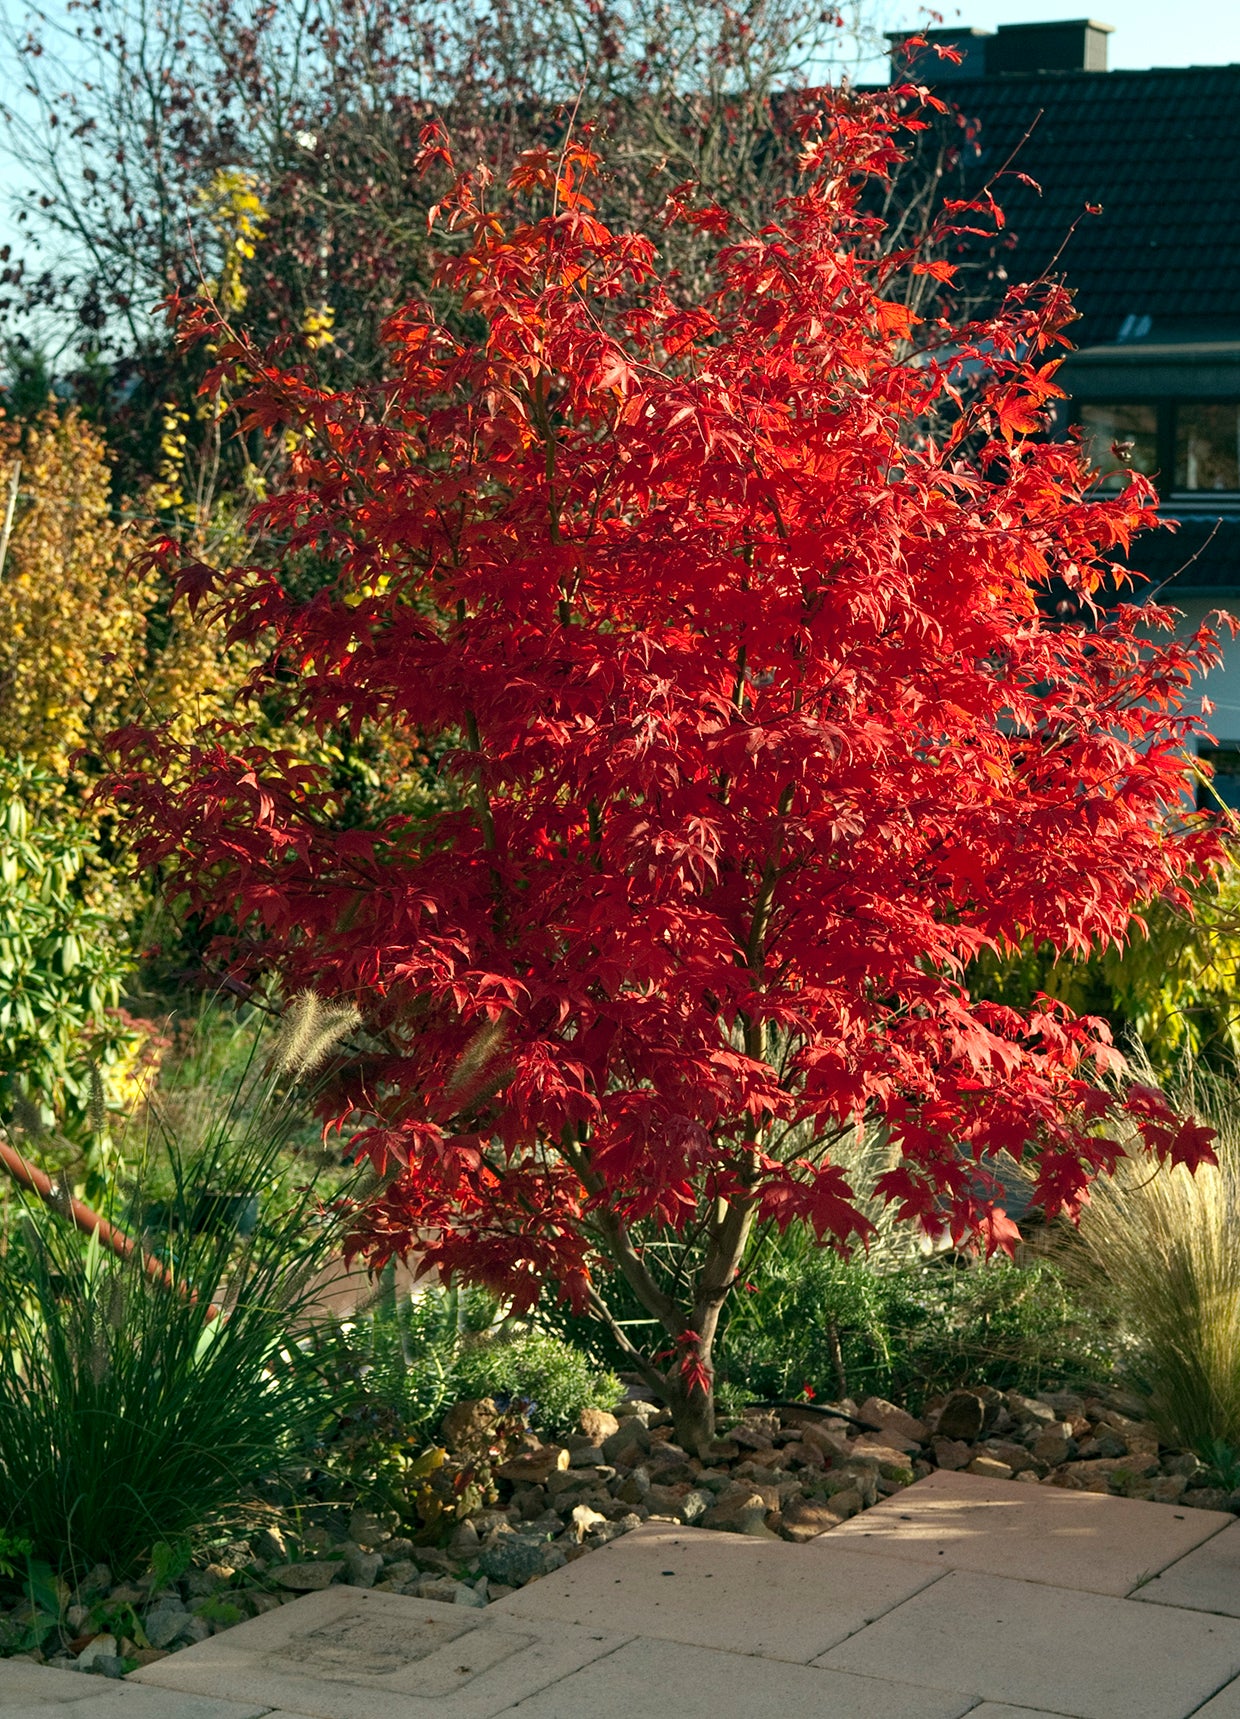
[
  {"x": 1052, "y": 1649},
  {"x": 722, "y": 1590},
  {"x": 1083, "y": 1540},
  {"x": 346, "y": 1653},
  {"x": 27, "y": 1689},
  {"x": 1225, "y": 1705},
  {"x": 657, "y": 1679},
  {"x": 1205, "y": 1580},
  {"x": 1001, "y": 1710}
]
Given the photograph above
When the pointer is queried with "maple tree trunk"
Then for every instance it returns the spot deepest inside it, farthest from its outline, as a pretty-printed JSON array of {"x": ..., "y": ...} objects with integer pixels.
[
  {"x": 688, "y": 1385},
  {"x": 693, "y": 1415}
]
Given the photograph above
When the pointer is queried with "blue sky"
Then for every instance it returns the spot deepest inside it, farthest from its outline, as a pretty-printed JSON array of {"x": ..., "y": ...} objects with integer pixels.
[{"x": 1147, "y": 32}]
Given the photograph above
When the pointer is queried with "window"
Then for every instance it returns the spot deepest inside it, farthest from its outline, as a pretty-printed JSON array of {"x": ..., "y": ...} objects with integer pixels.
[
  {"x": 1226, "y": 783},
  {"x": 1106, "y": 424},
  {"x": 1207, "y": 445}
]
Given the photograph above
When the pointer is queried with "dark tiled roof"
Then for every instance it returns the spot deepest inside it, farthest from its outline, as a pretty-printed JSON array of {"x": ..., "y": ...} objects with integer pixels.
[
  {"x": 1201, "y": 558},
  {"x": 1159, "y": 150}
]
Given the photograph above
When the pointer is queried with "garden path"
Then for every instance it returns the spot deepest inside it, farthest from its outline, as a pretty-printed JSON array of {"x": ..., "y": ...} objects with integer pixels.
[{"x": 958, "y": 1596}]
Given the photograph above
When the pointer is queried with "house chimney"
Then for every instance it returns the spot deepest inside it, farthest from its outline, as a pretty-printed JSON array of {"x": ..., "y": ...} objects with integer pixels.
[{"x": 1079, "y": 45}]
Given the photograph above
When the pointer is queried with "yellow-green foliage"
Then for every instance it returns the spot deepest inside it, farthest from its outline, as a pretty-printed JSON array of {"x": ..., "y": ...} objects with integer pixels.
[
  {"x": 1176, "y": 987},
  {"x": 72, "y": 616},
  {"x": 1160, "y": 1249}
]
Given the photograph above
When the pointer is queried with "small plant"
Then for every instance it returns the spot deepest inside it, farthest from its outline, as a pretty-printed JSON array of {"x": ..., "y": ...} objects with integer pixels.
[
  {"x": 14, "y": 1550},
  {"x": 550, "y": 1379}
]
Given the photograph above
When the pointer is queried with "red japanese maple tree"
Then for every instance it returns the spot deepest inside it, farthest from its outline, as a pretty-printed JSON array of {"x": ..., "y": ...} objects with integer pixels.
[{"x": 734, "y": 623}]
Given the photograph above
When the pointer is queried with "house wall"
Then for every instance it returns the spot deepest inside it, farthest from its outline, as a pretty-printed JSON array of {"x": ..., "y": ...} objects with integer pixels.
[{"x": 1221, "y": 685}]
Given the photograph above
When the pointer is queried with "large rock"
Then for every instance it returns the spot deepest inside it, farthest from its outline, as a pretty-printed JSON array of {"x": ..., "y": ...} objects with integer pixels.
[
  {"x": 1053, "y": 1444},
  {"x": 363, "y": 1567},
  {"x": 1029, "y": 1411},
  {"x": 534, "y": 1467},
  {"x": 467, "y": 1426},
  {"x": 742, "y": 1512},
  {"x": 952, "y": 1453},
  {"x": 830, "y": 1441},
  {"x": 598, "y": 1424},
  {"x": 845, "y": 1503},
  {"x": 962, "y": 1416},
  {"x": 695, "y": 1504},
  {"x": 990, "y": 1467},
  {"x": 629, "y": 1444},
  {"x": 806, "y": 1518},
  {"x": 515, "y": 1559},
  {"x": 1004, "y": 1450},
  {"x": 892, "y": 1464},
  {"x": 666, "y": 1500},
  {"x": 889, "y": 1418}
]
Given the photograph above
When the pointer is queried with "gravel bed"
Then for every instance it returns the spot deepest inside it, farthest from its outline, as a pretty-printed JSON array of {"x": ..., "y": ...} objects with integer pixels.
[{"x": 790, "y": 1471}]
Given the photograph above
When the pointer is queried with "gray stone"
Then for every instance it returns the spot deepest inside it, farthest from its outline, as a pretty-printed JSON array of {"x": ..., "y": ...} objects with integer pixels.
[
  {"x": 164, "y": 1622},
  {"x": 745, "y": 1512},
  {"x": 520, "y": 1558},
  {"x": 695, "y": 1504},
  {"x": 633, "y": 1436},
  {"x": 363, "y": 1568}
]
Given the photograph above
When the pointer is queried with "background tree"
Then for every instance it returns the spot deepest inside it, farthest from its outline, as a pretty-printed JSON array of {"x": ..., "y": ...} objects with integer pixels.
[
  {"x": 755, "y": 736},
  {"x": 143, "y": 129}
]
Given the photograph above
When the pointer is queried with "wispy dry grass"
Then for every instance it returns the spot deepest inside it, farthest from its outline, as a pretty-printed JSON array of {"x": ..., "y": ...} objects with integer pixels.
[{"x": 1160, "y": 1249}]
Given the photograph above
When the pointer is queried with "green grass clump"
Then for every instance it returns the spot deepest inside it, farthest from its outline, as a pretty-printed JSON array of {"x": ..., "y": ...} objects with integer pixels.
[{"x": 128, "y": 1416}]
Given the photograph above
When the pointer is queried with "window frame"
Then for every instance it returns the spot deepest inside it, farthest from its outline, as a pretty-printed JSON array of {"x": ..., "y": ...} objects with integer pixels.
[{"x": 1165, "y": 408}]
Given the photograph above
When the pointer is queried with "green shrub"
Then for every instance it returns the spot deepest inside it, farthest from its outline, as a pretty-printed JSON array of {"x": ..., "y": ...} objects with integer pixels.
[
  {"x": 556, "y": 1379},
  {"x": 843, "y": 1328},
  {"x": 896, "y": 1324},
  {"x": 402, "y": 1364},
  {"x": 65, "y": 1051}
]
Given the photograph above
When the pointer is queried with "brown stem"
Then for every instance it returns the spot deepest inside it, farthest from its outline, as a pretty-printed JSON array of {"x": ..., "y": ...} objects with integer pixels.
[{"x": 90, "y": 1223}]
